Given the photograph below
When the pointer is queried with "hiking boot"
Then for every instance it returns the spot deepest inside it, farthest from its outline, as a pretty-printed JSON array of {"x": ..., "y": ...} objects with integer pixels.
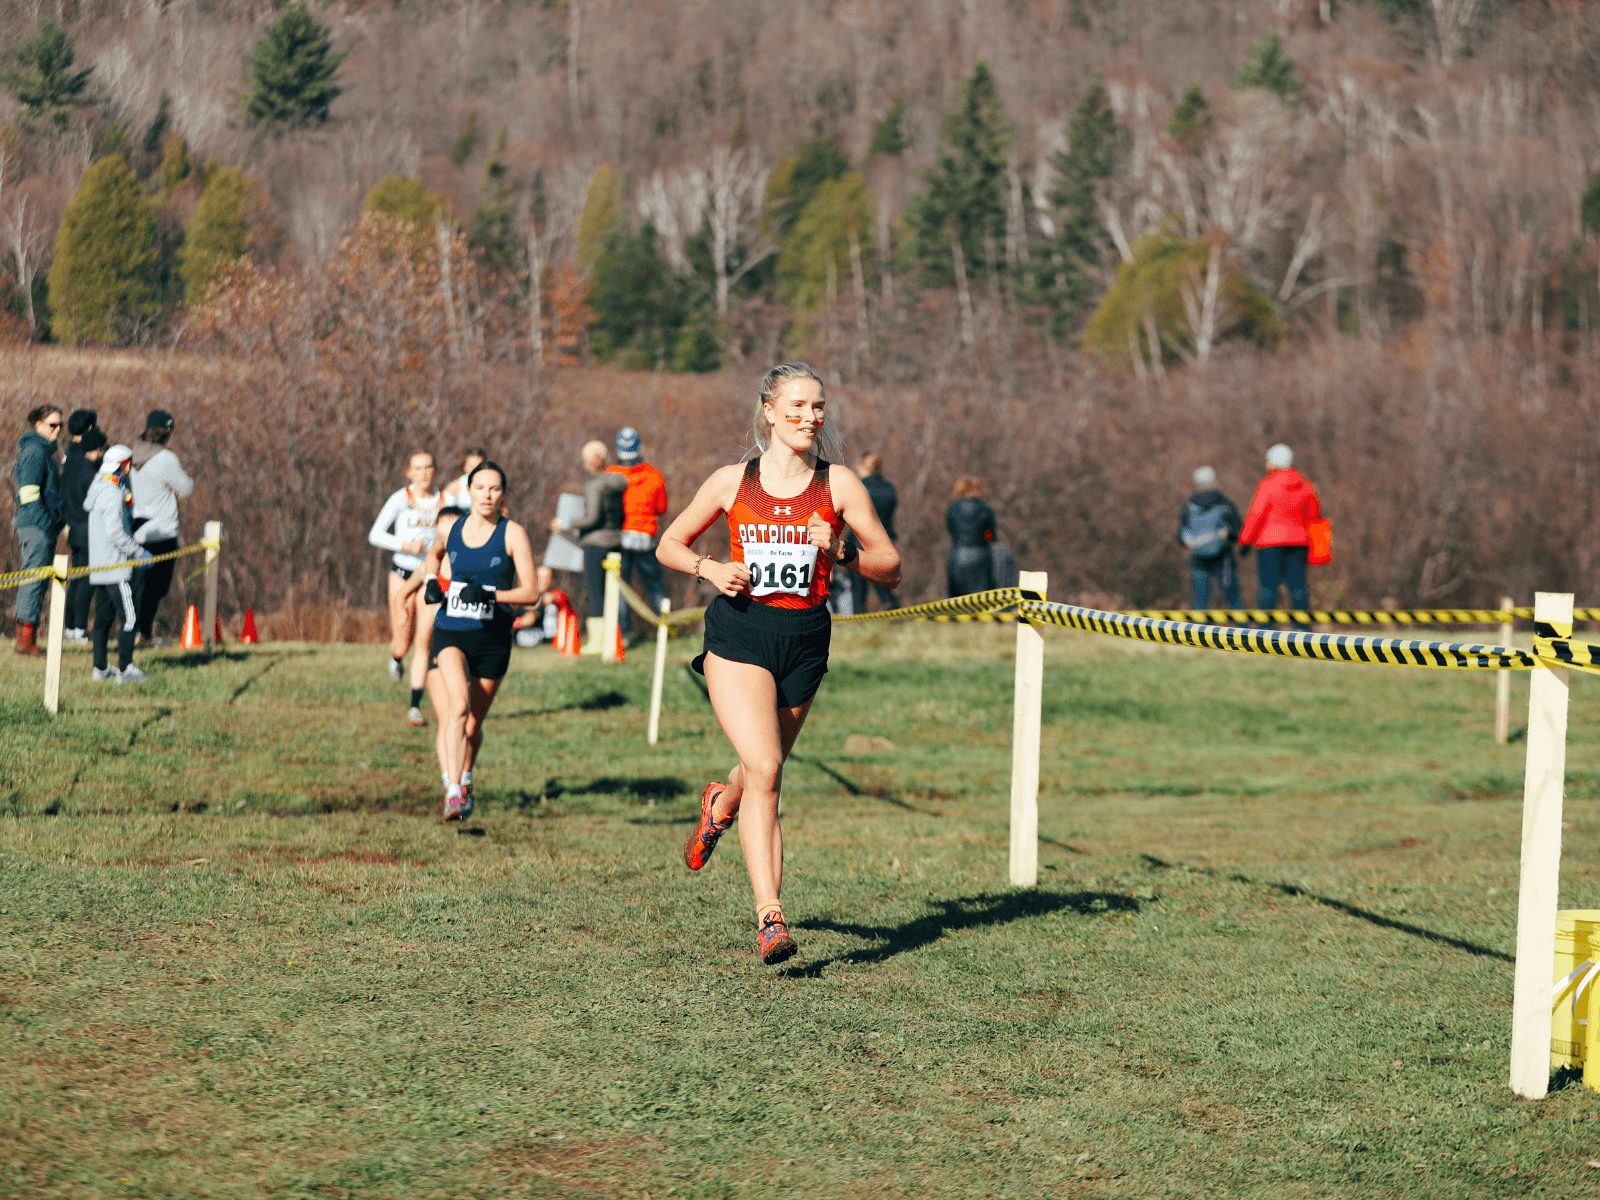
[
  {"x": 773, "y": 941},
  {"x": 703, "y": 840},
  {"x": 26, "y": 645}
]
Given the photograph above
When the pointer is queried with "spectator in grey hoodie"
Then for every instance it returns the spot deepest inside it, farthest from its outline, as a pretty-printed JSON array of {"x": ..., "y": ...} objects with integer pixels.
[
  {"x": 599, "y": 530},
  {"x": 109, "y": 504},
  {"x": 38, "y": 518},
  {"x": 158, "y": 484}
]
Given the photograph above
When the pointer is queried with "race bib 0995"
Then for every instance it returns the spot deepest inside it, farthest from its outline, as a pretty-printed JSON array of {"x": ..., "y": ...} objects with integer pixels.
[{"x": 455, "y": 607}]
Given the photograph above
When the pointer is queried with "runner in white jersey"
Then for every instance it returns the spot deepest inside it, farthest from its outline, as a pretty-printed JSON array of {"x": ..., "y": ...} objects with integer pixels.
[
  {"x": 456, "y": 493},
  {"x": 405, "y": 528}
]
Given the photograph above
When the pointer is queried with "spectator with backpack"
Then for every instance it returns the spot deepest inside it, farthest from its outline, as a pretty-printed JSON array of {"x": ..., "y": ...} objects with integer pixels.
[
  {"x": 1279, "y": 525},
  {"x": 1209, "y": 527}
]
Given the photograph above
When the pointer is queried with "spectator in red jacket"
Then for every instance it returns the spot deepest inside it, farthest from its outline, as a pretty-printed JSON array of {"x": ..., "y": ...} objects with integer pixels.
[
  {"x": 1278, "y": 525},
  {"x": 642, "y": 506}
]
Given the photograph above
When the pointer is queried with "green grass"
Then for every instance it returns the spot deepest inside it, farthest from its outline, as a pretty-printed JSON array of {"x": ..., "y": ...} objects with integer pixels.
[{"x": 1269, "y": 955}]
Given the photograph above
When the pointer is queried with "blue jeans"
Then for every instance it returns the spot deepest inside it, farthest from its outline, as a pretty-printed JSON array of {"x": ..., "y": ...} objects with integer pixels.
[
  {"x": 37, "y": 545},
  {"x": 1288, "y": 565},
  {"x": 1224, "y": 571},
  {"x": 644, "y": 562}
]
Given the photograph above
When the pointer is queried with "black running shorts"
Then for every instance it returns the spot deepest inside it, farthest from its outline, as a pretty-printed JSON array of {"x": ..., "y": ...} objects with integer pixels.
[
  {"x": 488, "y": 651},
  {"x": 791, "y": 643},
  {"x": 402, "y": 572}
]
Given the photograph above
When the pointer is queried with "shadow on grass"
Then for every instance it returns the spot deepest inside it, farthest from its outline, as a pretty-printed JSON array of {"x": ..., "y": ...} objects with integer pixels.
[
  {"x": 245, "y": 686},
  {"x": 1350, "y": 910},
  {"x": 598, "y": 703},
  {"x": 855, "y": 789},
  {"x": 964, "y": 912},
  {"x": 636, "y": 787}
]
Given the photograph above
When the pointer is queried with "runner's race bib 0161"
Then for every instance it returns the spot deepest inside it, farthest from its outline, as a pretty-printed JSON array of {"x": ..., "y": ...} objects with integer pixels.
[
  {"x": 778, "y": 568},
  {"x": 454, "y": 606}
]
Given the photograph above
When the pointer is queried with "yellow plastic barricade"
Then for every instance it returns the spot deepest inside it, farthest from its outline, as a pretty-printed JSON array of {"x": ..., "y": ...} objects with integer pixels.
[{"x": 1574, "y": 971}]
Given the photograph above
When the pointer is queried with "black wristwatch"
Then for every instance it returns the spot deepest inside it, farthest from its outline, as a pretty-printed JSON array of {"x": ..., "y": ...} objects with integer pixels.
[{"x": 852, "y": 551}]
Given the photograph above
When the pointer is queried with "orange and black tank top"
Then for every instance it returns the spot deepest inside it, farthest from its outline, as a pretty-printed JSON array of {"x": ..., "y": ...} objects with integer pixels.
[{"x": 768, "y": 535}]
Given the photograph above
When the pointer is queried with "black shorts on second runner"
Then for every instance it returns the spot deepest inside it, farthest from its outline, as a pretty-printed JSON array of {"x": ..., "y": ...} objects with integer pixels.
[
  {"x": 488, "y": 651},
  {"x": 791, "y": 643}
]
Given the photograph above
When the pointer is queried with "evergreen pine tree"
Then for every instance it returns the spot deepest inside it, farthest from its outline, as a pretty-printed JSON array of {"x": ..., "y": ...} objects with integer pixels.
[
  {"x": 493, "y": 230},
  {"x": 410, "y": 200},
  {"x": 291, "y": 72},
  {"x": 602, "y": 214},
  {"x": 965, "y": 199},
  {"x": 1589, "y": 206},
  {"x": 889, "y": 135},
  {"x": 102, "y": 282},
  {"x": 796, "y": 179},
  {"x": 1080, "y": 243},
  {"x": 176, "y": 165},
  {"x": 635, "y": 299},
  {"x": 155, "y": 136},
  {"x": 43, "y": 80},
  {"x": 1269, "y": 67},
  {"x": 1192, "y": 116},
  {"x": 462, "y": 150},
  {"x": 216, "y": 234},
  {"x": 837, "y": 209}
]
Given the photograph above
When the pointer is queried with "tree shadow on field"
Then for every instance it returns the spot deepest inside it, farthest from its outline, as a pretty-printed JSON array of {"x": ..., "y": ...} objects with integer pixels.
[
  {"x": 599, "y": 703},
  {"x": 964, "y": 912},
  {"x": 855, "y": 789},
  {"x": 1344, "y": 906},
  {"x": 633, "y": 787}
]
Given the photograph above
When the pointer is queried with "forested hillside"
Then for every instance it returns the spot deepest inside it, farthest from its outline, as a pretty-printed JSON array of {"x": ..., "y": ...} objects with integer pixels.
[{"x": 1076, "y": 247}]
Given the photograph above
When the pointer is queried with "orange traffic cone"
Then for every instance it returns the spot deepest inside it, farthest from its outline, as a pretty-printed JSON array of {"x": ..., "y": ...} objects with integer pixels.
[
  {"x": 218, "y": 634},
  {"x": 191, "y": 629},
  {"x": 570, "y": 642},
  {"x": 622, "y": 650},
  {"x": 248, "y": 634}
]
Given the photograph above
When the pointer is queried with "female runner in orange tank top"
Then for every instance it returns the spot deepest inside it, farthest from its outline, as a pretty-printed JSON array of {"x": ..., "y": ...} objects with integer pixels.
[{"x": 766, "y": 641}]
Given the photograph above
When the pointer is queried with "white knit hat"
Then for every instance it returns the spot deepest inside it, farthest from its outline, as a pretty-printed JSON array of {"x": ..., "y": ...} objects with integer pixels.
[
  {"x": 1280, "y": 457},
  {"x": 114, "y": 458}
]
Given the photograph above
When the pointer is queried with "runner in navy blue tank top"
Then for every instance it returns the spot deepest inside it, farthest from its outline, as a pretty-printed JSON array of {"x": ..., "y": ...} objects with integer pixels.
[{"x": 490, "y": 568}]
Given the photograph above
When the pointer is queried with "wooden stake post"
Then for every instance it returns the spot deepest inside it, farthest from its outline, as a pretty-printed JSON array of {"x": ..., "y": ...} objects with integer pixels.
[
  {"x": 1025, "y": 722},
  {"x": 660, "y": 675},
  {"x": 1502, "y": 683},
  {"x": 1541, "y": 863},
  {"x": 208, "y": 623},
  {"x": 57, "y": 638},
  {"x": 613, "y": 600}
]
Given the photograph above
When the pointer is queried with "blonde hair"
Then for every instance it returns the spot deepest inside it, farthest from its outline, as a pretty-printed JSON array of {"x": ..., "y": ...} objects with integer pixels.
[
  {"x": 871, "y": 464},
  {"x": 968, "y": 486},
  {"x": 829, "y": 445}
]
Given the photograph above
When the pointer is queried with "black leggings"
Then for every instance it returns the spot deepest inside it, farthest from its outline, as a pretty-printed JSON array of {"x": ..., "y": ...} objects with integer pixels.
[
  {"x": 114, "y": 602},
  {"x": 151, "y": 584},
  {"x": 79, "y": 592}
]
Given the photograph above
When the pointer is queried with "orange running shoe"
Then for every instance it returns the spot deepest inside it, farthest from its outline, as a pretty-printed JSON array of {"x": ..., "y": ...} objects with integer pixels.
[
  {"x": 697, "y": 850},
  {"x": 773, "y": 940}
]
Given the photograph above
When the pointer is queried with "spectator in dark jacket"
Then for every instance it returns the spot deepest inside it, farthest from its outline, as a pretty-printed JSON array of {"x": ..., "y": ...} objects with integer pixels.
[
  {"x": 599, "y": 530},
  {"x": 970, "y": 520},
  {"x": 884, "y": 501},
  {"x": 1209, "y": 528},
  {"x": 38, "y": 518},
  {"x": 1279, "y": 526},
  {"x": 77, "y": 473}
]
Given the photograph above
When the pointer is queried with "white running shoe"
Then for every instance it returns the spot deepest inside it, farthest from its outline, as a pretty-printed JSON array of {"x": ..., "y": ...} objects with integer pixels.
[
  {"x": 107, "y": 673},
  {"x": 394, "y": 669},
  {"x": 75, "y": 635},
  {"x": 132, "y": 674}
]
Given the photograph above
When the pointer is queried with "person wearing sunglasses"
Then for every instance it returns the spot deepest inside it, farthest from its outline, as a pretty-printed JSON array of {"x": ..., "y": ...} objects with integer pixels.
[{"x": 38, "y": 518}]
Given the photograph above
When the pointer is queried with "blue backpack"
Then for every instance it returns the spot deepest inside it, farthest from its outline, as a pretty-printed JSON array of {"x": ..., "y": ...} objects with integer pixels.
[{"x": 1205, "y": 530}]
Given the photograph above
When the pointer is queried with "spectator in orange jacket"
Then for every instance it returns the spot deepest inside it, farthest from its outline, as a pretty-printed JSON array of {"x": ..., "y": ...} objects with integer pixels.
[
  {"x": 642, "y": 506},
  {"x": 1278, "y": 525}
]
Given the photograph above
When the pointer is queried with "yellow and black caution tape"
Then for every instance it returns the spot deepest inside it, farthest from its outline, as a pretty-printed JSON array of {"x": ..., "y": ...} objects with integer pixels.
[
  {"x": 1325, "y": 647},
  {"x": 979, "y": 606},
  {"x": 1553, "y": 647},
  {"x": 16, "y": 578},
  {"x": 1414, "y": 616}
]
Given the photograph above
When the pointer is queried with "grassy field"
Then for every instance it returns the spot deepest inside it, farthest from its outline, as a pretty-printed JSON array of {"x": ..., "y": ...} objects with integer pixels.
[{"x": 1270, "y": 954}]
